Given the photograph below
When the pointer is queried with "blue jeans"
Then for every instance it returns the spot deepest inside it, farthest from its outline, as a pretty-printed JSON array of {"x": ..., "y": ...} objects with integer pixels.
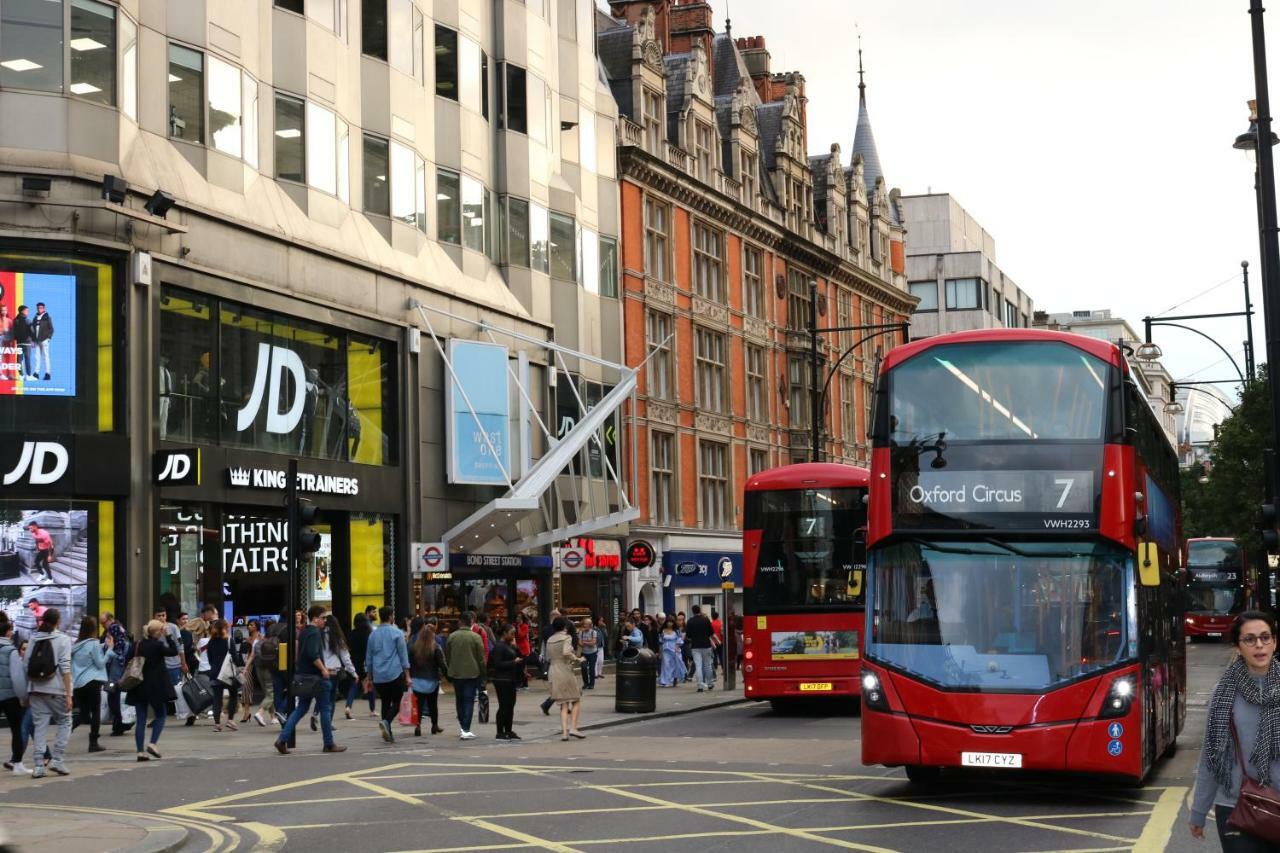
[
  {"x": 357, "y": 689},
  {"x": 464, "y": 690},
  {"x": 589, "y": 669},
  {"x": 279, "y": 688},
  {"x": 703, "y": 668},
  {"x": 324, "y": 706},
  {"x": 140, "y": 726}
]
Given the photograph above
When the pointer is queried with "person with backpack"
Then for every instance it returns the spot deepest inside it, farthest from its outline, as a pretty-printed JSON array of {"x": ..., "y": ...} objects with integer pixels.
[
  {"x": 13, "y": 695},
  {"x": 48, "y": 670},
  {"x": 268, "y": 659},
  {"x": 426, "y": 671},
  {"x": 122, "y": 645},
  {"x": 152, "y": 691},
  {"x": 89, "y": 660},
  {"x": 216, "y": 648}
]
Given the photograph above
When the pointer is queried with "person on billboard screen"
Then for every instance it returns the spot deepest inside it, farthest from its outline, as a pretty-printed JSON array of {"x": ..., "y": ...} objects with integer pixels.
[
  {"x": 44, "y": 550},
  {"x": 41, "y": 335},
  {"x": 22, "y": 336}
]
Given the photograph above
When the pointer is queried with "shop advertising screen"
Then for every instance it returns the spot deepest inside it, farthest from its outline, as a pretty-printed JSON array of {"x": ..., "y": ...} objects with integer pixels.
[
  {"x": 37, "y": 334},
  {"x": 44, "y": 562}
]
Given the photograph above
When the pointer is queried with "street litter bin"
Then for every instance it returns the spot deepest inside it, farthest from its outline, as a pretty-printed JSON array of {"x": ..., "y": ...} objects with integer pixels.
[{"x": 636, "y": 688}]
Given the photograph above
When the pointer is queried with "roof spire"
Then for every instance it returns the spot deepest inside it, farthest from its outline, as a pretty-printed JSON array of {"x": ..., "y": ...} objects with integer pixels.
[
  {"x": 728, "y": 22},
  {"x": 862, "y": 87}
]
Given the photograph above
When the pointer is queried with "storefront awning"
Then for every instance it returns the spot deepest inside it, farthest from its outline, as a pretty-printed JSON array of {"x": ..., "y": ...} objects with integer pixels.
[{"x": 524, "y": 518}]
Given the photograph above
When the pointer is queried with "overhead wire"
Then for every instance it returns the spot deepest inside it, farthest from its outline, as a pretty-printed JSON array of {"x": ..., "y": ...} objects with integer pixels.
[{"x": 1225, "y": 281}]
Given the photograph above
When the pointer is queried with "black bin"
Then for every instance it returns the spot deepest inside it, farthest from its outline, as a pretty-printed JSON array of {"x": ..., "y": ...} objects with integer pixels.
[{"x": 636, "y": 689}]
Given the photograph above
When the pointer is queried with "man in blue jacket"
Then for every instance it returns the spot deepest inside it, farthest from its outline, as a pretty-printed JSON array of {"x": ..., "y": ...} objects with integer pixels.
[
  {"x": 386, "y": 664},
  {"x": 311, "y": 665}
]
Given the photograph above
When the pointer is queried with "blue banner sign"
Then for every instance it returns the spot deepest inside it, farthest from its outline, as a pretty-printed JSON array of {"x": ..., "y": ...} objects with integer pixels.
[{"x": 478, "y": 435}]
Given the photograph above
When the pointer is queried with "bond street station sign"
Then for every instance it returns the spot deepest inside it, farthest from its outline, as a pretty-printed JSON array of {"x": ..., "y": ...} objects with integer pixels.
[{"x": 277, "y": 479}]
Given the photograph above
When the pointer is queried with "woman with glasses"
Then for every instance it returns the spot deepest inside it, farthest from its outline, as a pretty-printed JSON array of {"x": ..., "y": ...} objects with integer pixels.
[{"x": 1242, "y": 732}]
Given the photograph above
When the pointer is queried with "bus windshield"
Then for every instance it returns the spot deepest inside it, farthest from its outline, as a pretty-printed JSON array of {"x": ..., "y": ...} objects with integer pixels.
[
  {"x": 1214, "y": 599},
  {"x": 1021, "y": 616},
  {"x": 1025, "y": 390},
  {"x": 1212, "y": 553},
  {"x": 807, "y": 554}
]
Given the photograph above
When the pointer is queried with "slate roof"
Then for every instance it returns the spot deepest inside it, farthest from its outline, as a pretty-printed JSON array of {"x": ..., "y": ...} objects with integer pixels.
[
  {"x": 728, "y": 66},
  {"x": 677, "y": 65},
  {"x": 769, "y": 119}
]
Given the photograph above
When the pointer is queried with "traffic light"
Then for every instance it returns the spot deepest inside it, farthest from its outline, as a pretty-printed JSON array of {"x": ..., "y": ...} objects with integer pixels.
[
  {"x": 1267, "y": 527},
  {"x": 306, "y": 540}
]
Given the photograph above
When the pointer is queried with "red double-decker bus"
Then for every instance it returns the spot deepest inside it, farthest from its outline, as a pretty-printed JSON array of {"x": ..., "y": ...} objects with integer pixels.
[
  {"x": 1023, "y": 593},
  {"x": 1217, "y": 586},
  {"x": 803, "y": 556}
]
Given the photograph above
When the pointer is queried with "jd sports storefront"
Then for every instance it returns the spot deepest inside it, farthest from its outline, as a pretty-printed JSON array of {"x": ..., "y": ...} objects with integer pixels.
[{"x": 240, "y": 389}]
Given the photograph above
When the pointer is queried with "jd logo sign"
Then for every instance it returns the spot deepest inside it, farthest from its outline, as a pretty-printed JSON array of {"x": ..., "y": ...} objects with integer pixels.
[
  {"x": 177, "y": 467},
  {"x": 275, "y": 361},
  {"x": 41, "y": 463}
]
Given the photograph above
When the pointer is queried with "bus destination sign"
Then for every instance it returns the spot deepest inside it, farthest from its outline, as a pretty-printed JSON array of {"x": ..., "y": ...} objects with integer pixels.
[{"x": 1043, "y": 499}]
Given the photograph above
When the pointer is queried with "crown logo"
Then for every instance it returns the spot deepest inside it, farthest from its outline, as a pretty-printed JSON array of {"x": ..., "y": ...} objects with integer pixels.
[{"x": 238, "y": 476}]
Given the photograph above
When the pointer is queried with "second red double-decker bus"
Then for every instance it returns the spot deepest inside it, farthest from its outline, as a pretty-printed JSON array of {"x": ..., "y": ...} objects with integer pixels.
[
  {"x": 1217, "y": 586},
  {"x": 803, "y": 555},
  {"x": 1024, "y": 604}
]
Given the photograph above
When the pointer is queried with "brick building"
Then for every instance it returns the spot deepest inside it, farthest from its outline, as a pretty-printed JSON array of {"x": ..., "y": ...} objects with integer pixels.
[{"x": 725, "y": 222}]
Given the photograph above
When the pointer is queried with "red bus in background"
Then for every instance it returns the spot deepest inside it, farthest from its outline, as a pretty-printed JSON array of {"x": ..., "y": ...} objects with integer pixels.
[
  {"x": 1023, "y": 594},
  {"x": 1218, "y": 585},
  {"x": 803, "y": 556}
]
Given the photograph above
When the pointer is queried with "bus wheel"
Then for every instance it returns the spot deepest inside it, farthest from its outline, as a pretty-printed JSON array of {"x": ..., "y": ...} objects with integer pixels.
[{"x": 922, "y": 776}]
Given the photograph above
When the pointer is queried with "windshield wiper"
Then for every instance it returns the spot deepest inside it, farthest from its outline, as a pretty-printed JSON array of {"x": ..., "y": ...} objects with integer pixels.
[{"x": 1004, "y": 546}]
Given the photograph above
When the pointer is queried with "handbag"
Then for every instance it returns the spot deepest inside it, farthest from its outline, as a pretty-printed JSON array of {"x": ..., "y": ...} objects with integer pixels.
[
  {"x": 1257, "y": 810},
  {"x": 228, "y": 674},
  {"x": 132, "y": 675},
  {"x": 305, "y": 686},
  {"x": 408, "y": 710},
  {"x": 196, "y": 693},
  {"x": 482, "y": 699}
]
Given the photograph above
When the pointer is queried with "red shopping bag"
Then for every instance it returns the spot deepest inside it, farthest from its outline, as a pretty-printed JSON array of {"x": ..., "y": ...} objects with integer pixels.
[{"x": 409, "y": 710}]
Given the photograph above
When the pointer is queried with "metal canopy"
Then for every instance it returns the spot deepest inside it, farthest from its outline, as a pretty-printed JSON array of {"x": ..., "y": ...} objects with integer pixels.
[{"x": 524, "y": 517}]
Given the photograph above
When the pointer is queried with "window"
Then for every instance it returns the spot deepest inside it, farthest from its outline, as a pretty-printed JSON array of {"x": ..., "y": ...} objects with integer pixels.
[
  {"x": 752, "y": 285},
  {"x": 606, "y": 148},
  {"x": 448, "y": 207},
  {"x": 517, "y": 231},
  {"x": 225, "y": 90},
  {"x": 407, "y": 174},
  {"x": 710, "y": 350},
  {"x": 662, "y": 476},
  {"x": 373, "y": 28},
  {"x": 446, "y": 63},
  {"x": 469, "y": 68},
  {"x": 654, "y": 118},
  {"x": 757, "y": 461},
  {"x": 404, "y": 23},
  {"x": 927, "y": 291},
  {"x": 713, "y": 484},
  {"x": 31, "y": 36},
  {"x": 539, "y": 109},
  {"x": 291, "y": 5},
  {"x": 327, "y": 151},
  {"x": 567, "y": 18},
  {"x": 129, "y": 71},
  {"x": 703, "y": 150},
  {"x": 93, "y": 51},
  {"x": 473, "y": 194},
  {"x": 799, "y": 299},
  {"x": 708, "y": 249},
  {"x": 289, "y": 141},
  {"x": 848, "y": 408},
  {"x": 798, "y": 385},
  {"x": 658, "y": 332},
  {"x": 484, "y": 85},
  {"x": 249, "y": 97},
  {"x": 844, "y": 316},
  {"x": 963, "y": 293},
  {"x": 608, "y": 267},
  {"x": 539, "y": 237},
  {"x": 868, "y": 319},
  {"x": 330, "y": 14},
  {"x": 563, "y": 248},
  {"x": 747, "y": 176},
  {"x": 755, "y": 383},
  {"x": 587, "y": 140},
  {"x": 1010, "y": 315},
  {"x": 377, "y": 171},
  {"x": 590, "y": 266},
  {"x": 657, "y": 239},
  {"x": 516, "y": 101},
  {"x": 186, "y": 94}
]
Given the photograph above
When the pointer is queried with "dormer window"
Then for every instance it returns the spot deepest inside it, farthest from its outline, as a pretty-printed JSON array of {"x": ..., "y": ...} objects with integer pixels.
[
  {"x": 747, "y": 175},
  {"x": 653, "y": 117},
  {"x": 703, "y": 150}
]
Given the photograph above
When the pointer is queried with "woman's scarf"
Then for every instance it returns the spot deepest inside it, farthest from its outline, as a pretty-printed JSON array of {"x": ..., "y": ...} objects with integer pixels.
[{"x": 1219, "y": 745}]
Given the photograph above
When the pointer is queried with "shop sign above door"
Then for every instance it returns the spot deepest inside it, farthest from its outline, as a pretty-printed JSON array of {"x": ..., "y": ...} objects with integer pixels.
[{"x": 277, "y": 479}]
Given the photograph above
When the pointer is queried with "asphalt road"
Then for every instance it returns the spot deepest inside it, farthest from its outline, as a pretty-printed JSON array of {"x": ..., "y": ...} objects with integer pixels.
[{"x": 740, "y": 778}]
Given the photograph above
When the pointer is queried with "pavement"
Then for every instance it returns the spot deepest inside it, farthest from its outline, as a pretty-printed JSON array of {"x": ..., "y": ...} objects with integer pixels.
[{"x": 32, "y": 809}]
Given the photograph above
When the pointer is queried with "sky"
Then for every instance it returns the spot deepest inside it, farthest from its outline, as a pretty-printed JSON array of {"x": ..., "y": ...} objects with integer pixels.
[{"x": 1091, "y": 138}]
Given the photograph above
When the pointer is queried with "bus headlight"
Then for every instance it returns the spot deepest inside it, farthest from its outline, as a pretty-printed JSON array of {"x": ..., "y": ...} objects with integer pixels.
[
  {"x": 748, "y": 669},
  {"x": 872, "y": 693},
  {"x": 1119, "y": 698},
  {"x": 748, "y": 655}
]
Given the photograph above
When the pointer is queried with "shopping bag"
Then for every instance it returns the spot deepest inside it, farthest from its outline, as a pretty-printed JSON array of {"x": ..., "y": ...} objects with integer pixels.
[
  {"x": 128, "y": 714},
  {"x": 196, "y": 693},
  {"x": 132, "y": 675},
  {"x": 228, "y": 673},
  {"x": 482, "y": 699},
  {"x": 409, "y": 710}
]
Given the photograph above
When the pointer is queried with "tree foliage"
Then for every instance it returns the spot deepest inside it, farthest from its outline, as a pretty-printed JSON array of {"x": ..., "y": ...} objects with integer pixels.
[{"x": 1227, "y": 505}]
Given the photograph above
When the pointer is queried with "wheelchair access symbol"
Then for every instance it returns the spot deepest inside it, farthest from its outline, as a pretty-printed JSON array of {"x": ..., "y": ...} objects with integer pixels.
[{"x": 1115, "y": 748}]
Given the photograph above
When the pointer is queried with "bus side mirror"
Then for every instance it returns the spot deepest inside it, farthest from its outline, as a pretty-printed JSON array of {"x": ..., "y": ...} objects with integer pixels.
[
  {"x": 1149, "y": 564},
  {"x": 855, "y": 582}
]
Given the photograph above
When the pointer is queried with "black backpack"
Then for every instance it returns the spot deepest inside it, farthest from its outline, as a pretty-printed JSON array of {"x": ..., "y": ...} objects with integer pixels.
[
  {"x": 42, "y": 664},
  {"x": 269, "y": 651}
]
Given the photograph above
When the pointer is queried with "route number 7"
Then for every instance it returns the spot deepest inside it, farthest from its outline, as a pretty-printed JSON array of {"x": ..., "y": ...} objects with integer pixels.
[{"x": 1066, "y": 483}]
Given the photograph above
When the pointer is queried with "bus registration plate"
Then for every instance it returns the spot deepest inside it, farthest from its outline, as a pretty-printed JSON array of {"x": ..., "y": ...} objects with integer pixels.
[
  {"x": 816, "y": 687},
  {"x": 991, "y": 759}
]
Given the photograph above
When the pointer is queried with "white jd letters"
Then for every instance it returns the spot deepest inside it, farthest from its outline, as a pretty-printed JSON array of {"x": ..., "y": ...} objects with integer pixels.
[
  {"x": 176, "y": 467},
  {"x": 275, "y": 361},
  {"x": 35, "y": 455}
]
